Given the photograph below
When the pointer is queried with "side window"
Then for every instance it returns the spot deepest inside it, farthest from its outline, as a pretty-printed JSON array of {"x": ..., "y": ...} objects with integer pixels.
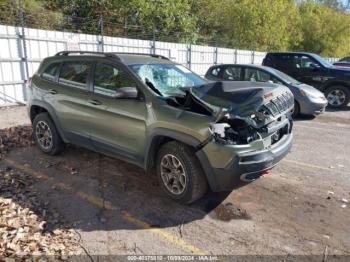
[
  {"x": 108, "y": 78},
  {"x": 75, "y": 74},
  {"x": 51, "y": 71},
  {"x": 216, "y": 71},
  {"x": 305, "y": 62},
  {"x": 275, "y": 80},
  {"x": 232, "y": 73},
  {"x": 285, "y": 61},
  {"x": 255, "y": 75}
]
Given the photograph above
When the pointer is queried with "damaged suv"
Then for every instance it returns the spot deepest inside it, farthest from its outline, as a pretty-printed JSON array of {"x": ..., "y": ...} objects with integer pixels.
[{"x": 152, "y": 112}]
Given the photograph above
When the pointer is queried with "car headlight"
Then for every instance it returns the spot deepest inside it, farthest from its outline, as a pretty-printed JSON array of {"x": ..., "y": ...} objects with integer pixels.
[{"x": 307, "y": 93}]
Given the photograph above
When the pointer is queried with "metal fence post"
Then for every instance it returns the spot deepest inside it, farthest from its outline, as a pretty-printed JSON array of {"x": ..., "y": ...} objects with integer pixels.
[
  {"x": 153, "y": 42},
  {"x": 101, "y": 40},
  {"x": 253, "y": 55},
  {"x": 215, "y": 55},
  {"x": 189, "y": 54},
  {"x": 235, "y": 56},
  {"x": 22, "y": 51}
]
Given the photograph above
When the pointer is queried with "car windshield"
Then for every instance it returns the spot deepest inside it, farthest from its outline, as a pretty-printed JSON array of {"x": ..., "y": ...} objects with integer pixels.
[
  {"x": 167, "y": 79},
  {"x": 286, "y": 78},
  {"x": 322, "y": 61}
]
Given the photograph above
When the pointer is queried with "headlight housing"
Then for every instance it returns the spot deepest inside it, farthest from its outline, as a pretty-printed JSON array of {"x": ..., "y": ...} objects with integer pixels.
[{"x": 307, "y": 93}]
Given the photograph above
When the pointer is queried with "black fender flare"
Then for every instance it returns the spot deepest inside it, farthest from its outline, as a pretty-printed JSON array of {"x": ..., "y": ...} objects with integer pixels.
[
  {"x": 52, "y": 114},
  {"x": 181, "y": 137}
]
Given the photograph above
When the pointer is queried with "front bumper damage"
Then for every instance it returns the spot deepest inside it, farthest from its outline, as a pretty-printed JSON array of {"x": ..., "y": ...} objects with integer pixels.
[{"x": 244, "y": 166}]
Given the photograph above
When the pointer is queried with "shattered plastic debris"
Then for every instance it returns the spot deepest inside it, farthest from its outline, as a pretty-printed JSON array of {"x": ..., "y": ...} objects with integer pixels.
[
  {"x": 344, "y": 200},
  {"x": 19, "y": 136},
  {"x": 343, "y": 206}
]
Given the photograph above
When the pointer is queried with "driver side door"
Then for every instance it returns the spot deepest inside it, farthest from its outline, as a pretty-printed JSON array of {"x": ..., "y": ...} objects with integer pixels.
[
  {"x": 118, "y": 124},
  {"x": 308, "y": 70}
]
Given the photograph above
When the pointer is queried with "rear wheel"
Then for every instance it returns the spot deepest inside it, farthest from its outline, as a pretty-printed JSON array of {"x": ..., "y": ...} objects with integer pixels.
[
  {"x": 179, "y": 173},
  {"x": 46, "y": 136},
  {"x": 338, "y": 96}
]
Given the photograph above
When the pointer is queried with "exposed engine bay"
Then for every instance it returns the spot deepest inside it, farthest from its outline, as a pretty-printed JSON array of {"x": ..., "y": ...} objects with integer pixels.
[{"x": 244, "y": 111}]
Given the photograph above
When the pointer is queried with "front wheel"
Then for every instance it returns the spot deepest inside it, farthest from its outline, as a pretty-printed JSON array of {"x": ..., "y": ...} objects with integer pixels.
[
  {"x": 179, "y": 173},
  {"x": 337, "y": 96}
]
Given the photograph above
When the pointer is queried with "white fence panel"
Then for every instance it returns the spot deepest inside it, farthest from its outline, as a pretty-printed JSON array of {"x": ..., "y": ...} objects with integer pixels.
[
  {"x": 42, "y": 43},
  {"x": 258, "y": 57},
  {"x": 202, "y": 57}
]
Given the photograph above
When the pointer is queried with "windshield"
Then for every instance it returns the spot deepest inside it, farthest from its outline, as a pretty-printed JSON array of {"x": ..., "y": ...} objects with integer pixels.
[
  {"x": 322, "y": 61},
  {"x": 286, "y": 78},
  {"x": 168, "y": 79}
]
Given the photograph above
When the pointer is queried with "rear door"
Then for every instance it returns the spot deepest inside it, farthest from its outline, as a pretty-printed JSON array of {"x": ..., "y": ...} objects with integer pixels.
[
  {"x": 117, "y": 125},
  {"x": 69, "y": 98}
]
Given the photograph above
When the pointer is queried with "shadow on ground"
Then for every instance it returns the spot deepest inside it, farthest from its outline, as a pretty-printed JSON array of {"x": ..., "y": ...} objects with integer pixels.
[{"x": 83, "y": 190}]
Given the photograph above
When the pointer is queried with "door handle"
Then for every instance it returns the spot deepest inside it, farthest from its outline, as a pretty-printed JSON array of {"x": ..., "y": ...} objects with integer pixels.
[
  {"x": 94, "y": 102},
  {"x": 52, "y": 91}
]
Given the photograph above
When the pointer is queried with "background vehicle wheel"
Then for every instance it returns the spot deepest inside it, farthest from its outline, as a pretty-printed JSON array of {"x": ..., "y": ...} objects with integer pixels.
[
  {"x": 179, "y": 173},
  {"x": 46, "y": 135},
  {"x": 337, "y": 96},
  {"x": 296, "y": 109}
]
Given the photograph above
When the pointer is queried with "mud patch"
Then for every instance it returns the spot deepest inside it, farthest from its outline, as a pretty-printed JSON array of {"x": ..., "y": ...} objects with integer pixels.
[{"x": 229, "y": 211}]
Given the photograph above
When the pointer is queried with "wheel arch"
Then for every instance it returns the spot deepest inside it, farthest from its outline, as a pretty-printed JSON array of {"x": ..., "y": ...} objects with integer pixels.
[
  {"x": 38, "y": 107},
  {"x": 160, "y": 136},
  {"x": 336, "y": 83}
]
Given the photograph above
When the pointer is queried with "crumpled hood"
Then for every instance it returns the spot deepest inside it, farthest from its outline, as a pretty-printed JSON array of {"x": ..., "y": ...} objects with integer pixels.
[{"x": 239, "y": 98}]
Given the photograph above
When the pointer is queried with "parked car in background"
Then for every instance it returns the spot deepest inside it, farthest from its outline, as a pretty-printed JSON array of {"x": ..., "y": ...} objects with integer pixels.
[
  {"x": 308, "y": 100},
  {"x": 345, "y": 62},
  {"x": 312, "y": 69},
  {"x": 159, "y": 115}
]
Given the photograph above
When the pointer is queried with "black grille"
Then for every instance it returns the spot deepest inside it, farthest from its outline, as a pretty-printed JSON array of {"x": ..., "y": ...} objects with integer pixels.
[{"x": 280, "y": 104}]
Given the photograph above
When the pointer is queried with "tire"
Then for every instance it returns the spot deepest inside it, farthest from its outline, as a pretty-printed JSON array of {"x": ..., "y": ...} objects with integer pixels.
[
  {"x": 189, "y": 171},
  {"x": 337, "y": 96},
  {"x": 296, "y": 109},
  {"x": 43, "y": 130}
]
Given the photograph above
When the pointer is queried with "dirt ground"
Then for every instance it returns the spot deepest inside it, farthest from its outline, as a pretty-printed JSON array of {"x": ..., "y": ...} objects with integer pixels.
[{"x": 300, "y": 208}]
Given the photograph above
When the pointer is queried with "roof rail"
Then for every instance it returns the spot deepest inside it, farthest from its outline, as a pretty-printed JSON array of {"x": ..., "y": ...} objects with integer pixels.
[
  {"x": 145, "y": 54},
  {"x": 66, "y": 53}
]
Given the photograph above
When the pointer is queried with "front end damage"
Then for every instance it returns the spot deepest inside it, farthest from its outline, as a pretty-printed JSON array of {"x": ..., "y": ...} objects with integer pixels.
[{"x": 251, "y": 134}]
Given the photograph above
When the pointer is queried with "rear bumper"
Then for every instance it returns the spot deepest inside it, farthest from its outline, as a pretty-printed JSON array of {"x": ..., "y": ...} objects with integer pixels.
[{"x": 245, "y": 167}]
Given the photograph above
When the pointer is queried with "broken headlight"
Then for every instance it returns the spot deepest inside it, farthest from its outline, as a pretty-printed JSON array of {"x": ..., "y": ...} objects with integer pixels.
[{"x": 236, "y": 133}]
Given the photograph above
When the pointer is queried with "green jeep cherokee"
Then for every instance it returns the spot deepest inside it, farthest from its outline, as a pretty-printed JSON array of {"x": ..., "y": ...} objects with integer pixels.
[{"x": 152, "y": 112}]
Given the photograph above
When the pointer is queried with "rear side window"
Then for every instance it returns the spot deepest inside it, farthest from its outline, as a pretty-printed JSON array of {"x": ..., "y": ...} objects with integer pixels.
[
  {"x": 75, "y": 74},
  {"x": 285, "y": 61},
  {"x": 51, "y": 71},
  {"x": 255, "y": 75},
  {"x": 232, "y": 73}
]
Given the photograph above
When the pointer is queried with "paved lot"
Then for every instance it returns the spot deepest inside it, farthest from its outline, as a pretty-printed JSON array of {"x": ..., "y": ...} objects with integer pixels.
[{"x": 297, "y": 209}]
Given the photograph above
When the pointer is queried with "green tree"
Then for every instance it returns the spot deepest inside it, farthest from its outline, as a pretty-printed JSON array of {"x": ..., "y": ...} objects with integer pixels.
[
  {"x": 134, "y": 17},
  {"x": 252, "y": 24},
  {"x": 36, "y": 14},
  {"x": 325, "y": 31}
]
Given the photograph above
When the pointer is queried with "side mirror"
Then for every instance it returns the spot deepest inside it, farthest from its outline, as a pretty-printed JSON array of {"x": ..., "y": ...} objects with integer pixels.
[
  {"x": 314, "y": 66},
  {"x": 126, "y": 92}
]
